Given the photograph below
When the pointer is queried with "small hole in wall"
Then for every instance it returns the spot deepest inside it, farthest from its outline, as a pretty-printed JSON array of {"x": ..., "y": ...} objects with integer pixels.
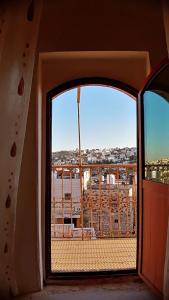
[
  {"x": 27, "y": 45},
  {"x": 30, "y": 11},
  {"x": 8, "y": 202},
  {"x": 13, "y": 150},
  {"x": 6, "y": 248},
  {"x": 21, "y": 87}
]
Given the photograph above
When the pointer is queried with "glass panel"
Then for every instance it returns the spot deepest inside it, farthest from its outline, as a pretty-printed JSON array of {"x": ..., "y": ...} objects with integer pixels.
[{"x": 156, "y": 136}]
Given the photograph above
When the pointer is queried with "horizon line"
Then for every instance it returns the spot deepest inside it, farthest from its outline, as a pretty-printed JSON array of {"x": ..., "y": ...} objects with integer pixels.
[{"x": 95, "y": 148}]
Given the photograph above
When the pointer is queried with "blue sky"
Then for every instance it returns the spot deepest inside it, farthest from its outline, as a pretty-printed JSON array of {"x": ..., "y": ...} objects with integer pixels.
[
  {"x": 156, "y": 115},
  {"x": 108, "y": 119}
]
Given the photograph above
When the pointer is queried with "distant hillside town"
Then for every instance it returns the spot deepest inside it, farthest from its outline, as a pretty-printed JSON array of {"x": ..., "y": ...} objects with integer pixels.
[{"x": 96, "y": 156}]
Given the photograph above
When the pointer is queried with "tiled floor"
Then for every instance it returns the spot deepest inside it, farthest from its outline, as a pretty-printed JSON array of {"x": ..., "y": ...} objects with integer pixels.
[{"x": 93, "y": 255}]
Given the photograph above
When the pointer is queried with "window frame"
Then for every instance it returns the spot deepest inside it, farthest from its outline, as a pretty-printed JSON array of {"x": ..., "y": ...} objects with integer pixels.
[
  {"x": 149, "y": 85},
  {"x": 67, "y": 198}
]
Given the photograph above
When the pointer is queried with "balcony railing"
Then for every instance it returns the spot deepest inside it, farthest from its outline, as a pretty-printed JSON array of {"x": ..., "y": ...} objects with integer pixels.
[
  {"x": 157, "y": 172},
  {"x": 93, "y": 201}
]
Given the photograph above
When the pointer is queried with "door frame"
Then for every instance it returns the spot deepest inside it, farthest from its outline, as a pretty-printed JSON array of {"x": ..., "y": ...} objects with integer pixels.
[
  {"x": 140, "y": 121},
  {"x": 107, "y": 82}
]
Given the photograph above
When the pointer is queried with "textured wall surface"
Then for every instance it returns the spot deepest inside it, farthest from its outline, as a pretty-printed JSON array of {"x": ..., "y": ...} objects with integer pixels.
[{"x": 19, "y": 23}]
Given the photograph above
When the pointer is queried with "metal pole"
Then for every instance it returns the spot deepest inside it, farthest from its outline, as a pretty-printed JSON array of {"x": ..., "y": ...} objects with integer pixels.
[{"x": 80, "y": 159}]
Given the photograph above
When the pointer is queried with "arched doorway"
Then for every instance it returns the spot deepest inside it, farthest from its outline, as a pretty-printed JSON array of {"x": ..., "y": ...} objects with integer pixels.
[{"x": 92, "y": 178}]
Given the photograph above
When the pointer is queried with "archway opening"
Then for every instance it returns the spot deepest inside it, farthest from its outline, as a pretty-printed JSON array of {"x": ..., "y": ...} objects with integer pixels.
[{"x": 93, "y": 181}]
